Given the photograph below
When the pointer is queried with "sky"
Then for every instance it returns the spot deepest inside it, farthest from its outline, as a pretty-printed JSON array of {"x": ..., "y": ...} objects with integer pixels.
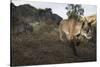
[{"x": 58, "y": 8}]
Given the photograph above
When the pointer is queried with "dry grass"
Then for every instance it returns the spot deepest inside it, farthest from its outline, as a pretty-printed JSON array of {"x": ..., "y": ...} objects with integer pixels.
[{"x": 44, "y": 47}]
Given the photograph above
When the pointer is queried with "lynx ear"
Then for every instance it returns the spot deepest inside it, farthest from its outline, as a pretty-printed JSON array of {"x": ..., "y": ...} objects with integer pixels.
[
  {"x": 85, "y": 22},
  {"x": 86, "y": 19}
]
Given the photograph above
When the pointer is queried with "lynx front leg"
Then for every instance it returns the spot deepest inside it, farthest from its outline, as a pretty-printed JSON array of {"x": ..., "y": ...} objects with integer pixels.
[{"x": 61, "y": 34}]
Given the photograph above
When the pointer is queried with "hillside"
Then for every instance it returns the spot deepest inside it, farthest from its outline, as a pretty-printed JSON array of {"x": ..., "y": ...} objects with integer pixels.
[{"x": 23, "y": 16}]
